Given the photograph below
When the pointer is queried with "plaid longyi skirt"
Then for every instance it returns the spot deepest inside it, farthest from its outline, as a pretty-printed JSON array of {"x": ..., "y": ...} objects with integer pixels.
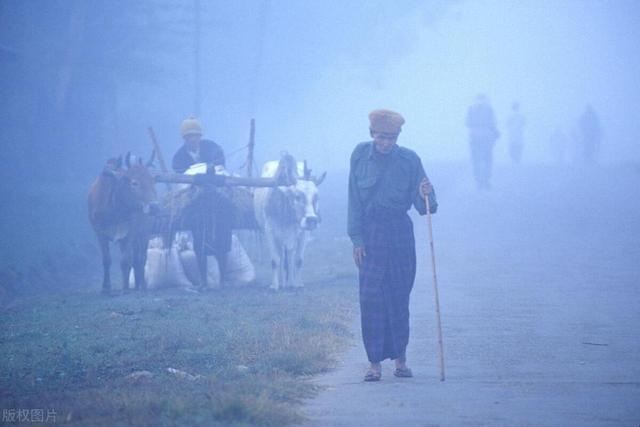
[{"x": 386, "y": 278}]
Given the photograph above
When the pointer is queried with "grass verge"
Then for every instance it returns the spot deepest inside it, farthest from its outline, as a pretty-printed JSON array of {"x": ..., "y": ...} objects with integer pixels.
[{"x": 242, "y": 357}]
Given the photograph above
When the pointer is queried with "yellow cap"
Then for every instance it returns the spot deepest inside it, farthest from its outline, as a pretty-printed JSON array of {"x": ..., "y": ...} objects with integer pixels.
[
  {"x": 385, "y": 121},
  {"x": 190, "y": 126}
]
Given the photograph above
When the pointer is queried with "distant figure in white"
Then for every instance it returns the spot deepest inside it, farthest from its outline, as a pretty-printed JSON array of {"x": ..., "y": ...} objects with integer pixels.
[
  {"x": 590, "y": 134},
  {"x": 286, "y": 214},
  {"x": 515, "y": 132}
]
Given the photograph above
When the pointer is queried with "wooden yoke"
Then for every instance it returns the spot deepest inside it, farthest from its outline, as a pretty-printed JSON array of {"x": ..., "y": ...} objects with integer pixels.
[{"x": 222, "y": 180}]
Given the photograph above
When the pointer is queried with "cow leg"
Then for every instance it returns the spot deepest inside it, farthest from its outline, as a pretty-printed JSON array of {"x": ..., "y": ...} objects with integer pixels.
[
  {"x": 276, "y": 266},
  {"x": 139, "y": 261},
  {"x": 222, "y": 266},
  {"x": 297, "y": 263},
  {"x": 290, "y": 267},
  {"x": 126, "y": 261},
  {"x": 277, "y": 255},
  {"x": 223, "y": 224},
  {"x": 283, "y": 268},
  {"x": 106, "y": 263},
  {"x": 201, "y": 257}
]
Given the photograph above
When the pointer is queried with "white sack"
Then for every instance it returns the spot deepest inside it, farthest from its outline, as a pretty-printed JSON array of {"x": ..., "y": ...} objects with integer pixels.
[
  {"x": 240, "y": 270},
  {"x": 163, "y": 268}
]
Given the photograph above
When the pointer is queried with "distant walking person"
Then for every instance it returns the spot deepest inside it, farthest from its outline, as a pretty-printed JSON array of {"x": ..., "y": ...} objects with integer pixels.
[
  {"x": 483, "y": 133},
  {"x": 385, "y": 180},
  {"x": 515, "y": 131},
  {"x": 590, "y": 134}
]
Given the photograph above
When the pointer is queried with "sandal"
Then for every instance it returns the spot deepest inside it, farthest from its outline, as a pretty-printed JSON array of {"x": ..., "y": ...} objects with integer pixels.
[
  {"x": 372, "y": 375},
  {"x": 403, "y": 373}
]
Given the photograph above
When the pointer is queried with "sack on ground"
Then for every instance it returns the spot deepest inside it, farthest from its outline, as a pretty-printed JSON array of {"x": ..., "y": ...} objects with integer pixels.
[
  {"x": 178, "y": 266},
  {"x": 240, "y": 270},
  {"x": 163, "y": 268}
]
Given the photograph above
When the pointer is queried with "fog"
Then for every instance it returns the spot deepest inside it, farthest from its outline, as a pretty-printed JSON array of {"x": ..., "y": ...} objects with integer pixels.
[
  {"x": 81, "y": 81},
  {"x": 88, "y": 78}
]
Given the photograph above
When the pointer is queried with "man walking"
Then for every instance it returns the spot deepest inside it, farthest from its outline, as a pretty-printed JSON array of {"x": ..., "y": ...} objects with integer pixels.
[
  {"x": 483, "y": 133},
  {"x": 590, "y": 134},
  {"x": 384, "y": 181}
]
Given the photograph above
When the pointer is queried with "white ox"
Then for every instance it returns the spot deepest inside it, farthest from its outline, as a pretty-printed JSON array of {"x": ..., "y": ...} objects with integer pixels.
[{"x": 286, "y": 214}]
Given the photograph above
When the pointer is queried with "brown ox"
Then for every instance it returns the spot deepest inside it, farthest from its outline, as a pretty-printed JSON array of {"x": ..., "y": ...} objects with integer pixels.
[{"x": 118, "y": 202}]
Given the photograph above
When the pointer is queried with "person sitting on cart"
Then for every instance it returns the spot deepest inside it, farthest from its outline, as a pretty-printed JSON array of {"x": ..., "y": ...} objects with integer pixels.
[
  {"x": 213, "y": 213},
  {"x": 195, "y": 149}
]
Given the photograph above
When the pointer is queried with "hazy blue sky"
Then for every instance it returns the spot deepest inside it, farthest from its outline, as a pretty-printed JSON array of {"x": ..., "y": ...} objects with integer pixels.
[
  {"x": 310, "y": 71},
  {"x": 322, "y": 66}
]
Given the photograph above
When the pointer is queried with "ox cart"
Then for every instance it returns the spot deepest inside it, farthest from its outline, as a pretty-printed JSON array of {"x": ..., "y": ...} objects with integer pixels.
[
  {"x": 209, "y": 206},
  {"x": 120, "y": 198}
]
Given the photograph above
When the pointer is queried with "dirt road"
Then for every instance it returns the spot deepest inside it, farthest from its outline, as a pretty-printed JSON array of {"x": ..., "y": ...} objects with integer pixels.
[{"x": 540, "y": 294}]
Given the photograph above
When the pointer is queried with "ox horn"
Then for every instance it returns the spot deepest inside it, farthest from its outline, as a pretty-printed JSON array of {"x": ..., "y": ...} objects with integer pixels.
[
  {"x": 127, "y": 160},
  {"x": 153, "y": 157},
  {"x": 318, "y": 181}
]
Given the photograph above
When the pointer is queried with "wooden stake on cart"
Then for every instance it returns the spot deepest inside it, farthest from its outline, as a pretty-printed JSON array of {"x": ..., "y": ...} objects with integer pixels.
[
  {"x": 251, "y": 145},
  {"x": 156, "y": 148}
]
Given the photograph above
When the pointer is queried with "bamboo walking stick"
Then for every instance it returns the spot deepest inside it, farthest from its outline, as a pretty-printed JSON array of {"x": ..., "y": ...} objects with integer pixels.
[{"x": 435, "y": 287}]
